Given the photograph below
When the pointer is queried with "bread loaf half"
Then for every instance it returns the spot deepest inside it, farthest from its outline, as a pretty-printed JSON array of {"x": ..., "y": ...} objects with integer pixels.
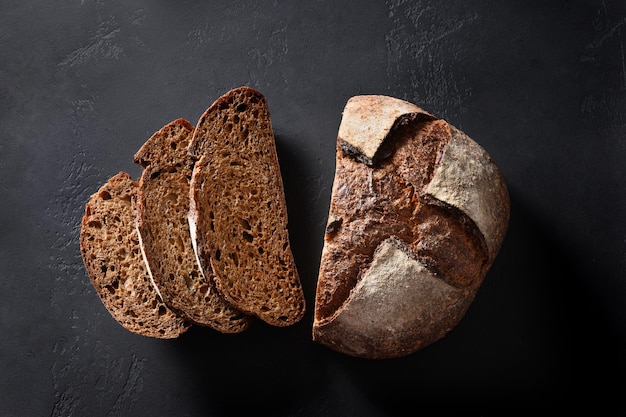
[
  {"x": 110, "y": 248},
  {"x": 162, "y": 209},
  {"x": 238, "y": 215},
  {"x": 417, "y": 216}
]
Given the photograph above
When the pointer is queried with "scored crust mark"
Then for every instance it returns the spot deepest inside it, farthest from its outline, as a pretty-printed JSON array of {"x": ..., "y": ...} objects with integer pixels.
[
  {"x": 163, "y": 206},
  {"x": 402, "y": 294},
  {"x": 239, "y": 209},
  {"x": 395, "y": 179},
  {"x": 370, "y": 204},
  {"x": 366, "y": 122},
  {"x": 109, "y": 245},
  {"x": 482, "y": 196}
]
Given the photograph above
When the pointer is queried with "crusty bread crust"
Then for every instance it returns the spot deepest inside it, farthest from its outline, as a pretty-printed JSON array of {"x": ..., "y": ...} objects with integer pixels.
[
  {"x": 238, "y": 211},
  {"x": 403, "y": 226},
  {"x": 162, "y": 209},
  {"x": 389, "y": 312},
  {"x": 109, "y": 245}
]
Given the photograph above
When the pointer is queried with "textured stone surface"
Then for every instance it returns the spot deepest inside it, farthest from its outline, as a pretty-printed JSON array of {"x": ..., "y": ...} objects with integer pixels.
[{"x": 540, "y": 85}]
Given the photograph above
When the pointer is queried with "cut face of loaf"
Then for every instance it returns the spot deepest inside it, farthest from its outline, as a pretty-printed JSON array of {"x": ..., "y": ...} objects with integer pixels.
[
  {"x": 162, "y": 209},
  {"x": 238, "y": 214},
  {"x": 418, "y": 213},
  {"x": 110, "y": 248}
]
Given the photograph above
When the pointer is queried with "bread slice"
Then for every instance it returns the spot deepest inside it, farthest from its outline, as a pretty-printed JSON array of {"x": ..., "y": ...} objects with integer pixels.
[
  {"x": 162, "y": 209},
  {"x": 110, "y": 248},
  {"x": 238, "y": 214},
  {"x": 417, "y": 216}
]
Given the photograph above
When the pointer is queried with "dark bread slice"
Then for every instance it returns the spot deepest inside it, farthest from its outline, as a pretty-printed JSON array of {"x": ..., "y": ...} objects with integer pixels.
[
  {"x": 418, "y": 212},
  {"x": 110, "y": 248},
  {"x": 238, "y": 211},
  {"x": 162, "y": 210}
]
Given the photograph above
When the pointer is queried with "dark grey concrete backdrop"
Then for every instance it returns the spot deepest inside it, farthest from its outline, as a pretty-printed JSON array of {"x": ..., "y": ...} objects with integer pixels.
[{"x": 540, "y": 84}]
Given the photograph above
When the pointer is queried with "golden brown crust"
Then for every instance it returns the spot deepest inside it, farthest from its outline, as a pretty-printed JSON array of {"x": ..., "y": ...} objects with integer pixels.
[
  {"x": 392, "y": 197},
  {"x": 389, "y": 312}
]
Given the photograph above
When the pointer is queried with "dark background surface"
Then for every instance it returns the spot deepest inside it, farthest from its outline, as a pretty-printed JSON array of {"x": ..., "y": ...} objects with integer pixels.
[{"x": 541, "y": 85}]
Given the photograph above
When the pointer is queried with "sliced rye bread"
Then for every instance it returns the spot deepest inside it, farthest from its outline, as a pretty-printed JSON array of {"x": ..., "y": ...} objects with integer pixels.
[
  {"x": 162, "y": 209},
  {"x": 110, "y": 248},
  {"x": 238, "y": 214}
]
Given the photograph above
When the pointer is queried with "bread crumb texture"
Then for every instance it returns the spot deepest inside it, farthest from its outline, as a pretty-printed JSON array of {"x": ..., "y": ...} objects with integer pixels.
[
  {"x": 163, "y": 206},
  {"x": 202, "y": 237},
  {"x": 240, "y": 211},
  {"x": 109, "y": 245}
]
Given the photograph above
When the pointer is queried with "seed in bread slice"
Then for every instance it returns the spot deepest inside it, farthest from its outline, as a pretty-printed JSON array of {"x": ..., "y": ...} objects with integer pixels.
[
  {"x": 110, "y": 247},
  {"x": 162, "y": 209},
  {"x": 238, "y": 211}
]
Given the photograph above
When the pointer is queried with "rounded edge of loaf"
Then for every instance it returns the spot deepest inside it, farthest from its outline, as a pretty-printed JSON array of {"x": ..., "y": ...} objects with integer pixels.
[{"x": 366, "y": 324}]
